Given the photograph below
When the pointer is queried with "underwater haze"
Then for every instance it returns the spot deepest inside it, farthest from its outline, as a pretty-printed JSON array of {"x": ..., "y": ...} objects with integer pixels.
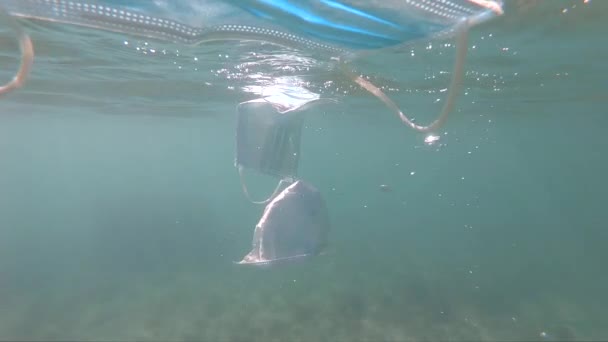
[{"x": 122, "y": 215}]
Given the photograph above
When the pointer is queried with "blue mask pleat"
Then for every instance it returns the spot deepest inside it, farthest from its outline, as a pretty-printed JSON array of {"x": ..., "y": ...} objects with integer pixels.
[{"x": 335, "y": 23}]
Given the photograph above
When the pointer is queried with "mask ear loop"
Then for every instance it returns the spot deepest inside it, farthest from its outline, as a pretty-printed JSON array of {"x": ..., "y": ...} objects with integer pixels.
[
  {"x": 461, "y": 53},
  {"x": 26, "y": 48},
  {"x": 276, "y": 191}
]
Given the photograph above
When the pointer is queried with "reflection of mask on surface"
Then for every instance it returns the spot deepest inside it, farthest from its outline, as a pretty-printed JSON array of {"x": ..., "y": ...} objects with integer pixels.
[
  {"x": 295, "y": 225},
  {"x": 338, "y": 28}
]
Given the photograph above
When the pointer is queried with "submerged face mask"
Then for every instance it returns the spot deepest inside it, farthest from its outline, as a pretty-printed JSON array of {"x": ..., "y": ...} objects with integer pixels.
[
  {"x": 268, "y": 133},
  {"x": 268, "y": 140}
]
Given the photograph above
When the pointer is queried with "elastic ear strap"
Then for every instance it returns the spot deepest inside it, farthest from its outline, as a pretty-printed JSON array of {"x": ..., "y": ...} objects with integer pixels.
[
  {"x": 461, "y": 53},
  {"x": 246, "y": 190},
  {"x": 27, "y": 55}
]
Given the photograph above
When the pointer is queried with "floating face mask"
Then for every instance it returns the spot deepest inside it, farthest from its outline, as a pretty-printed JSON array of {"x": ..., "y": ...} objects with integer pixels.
[
  {"x": 294, "y": 226},
  {"x": 339, "y": 28}
]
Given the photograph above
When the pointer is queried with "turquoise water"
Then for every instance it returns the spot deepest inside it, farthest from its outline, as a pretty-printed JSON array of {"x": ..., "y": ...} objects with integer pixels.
[{"x": 121, "y": 212}]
